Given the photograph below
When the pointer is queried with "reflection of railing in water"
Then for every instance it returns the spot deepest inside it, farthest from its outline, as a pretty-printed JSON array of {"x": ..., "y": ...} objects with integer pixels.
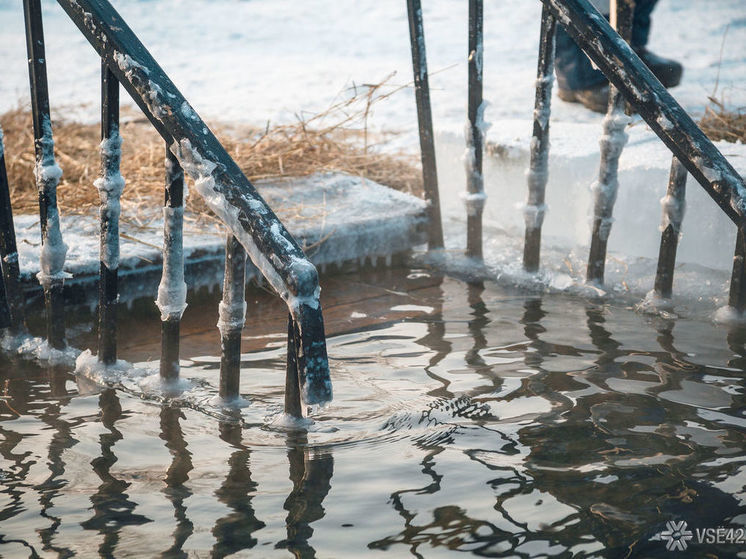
[
  {"x": 510, "y": 459},
  {"x": 631, "y": 81},
  {"x": 190, "y": 147},
  {"x": 235, "y": 531},
  {"x": 110, "y": 503}
]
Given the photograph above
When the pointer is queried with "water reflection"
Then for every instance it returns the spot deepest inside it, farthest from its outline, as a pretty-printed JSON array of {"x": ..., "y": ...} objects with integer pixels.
[
  {"x": 112, "y": 507},
  {"x": 435, "y": 339},
  {"x": 176, "y": 490},
  {"x": 311, "y": 473},
  {"x": 531, "y": 428},
  {"x": 235, "y": 531}
]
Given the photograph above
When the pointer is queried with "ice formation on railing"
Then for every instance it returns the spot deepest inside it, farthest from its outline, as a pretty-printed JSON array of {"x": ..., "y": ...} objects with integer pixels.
[
  {"x": 48, "y": 175},
  {"x": 172, "y": 290},
  {"x": 110, "y": 187}
]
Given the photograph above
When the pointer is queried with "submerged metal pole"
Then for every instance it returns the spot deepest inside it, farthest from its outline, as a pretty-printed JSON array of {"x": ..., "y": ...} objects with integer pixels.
[
  {"x": 538, "y": 169},
  {"x": 612, "y": 143},
  {"x": 425, "y": 122},
  {"x": 9, "y": 253},
  {"x": 172, "y": 289},
  {"x": 737, "y": 297},
  {"x": 475, "y": 197},
  {"x": 293, "y": 405},
  {"x": 110, "y": 187},
  {"x": 48, "y": 175},
  {"x": 673, "y": 204},
  {"x": 232, "y": 311}
]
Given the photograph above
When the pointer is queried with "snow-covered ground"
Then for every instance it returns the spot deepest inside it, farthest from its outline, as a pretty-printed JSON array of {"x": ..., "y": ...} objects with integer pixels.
[
  {"x": 255, "y": 61},
  {"x": 259, "y": 60}
]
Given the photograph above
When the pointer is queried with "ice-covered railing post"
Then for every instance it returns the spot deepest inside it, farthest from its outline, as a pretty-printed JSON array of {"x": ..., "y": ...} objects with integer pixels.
[
  {"x": 11, "y": 313},
  {"x": 666, "y": 118},
  {"x": 48, "y": 175},
  {"x": 737, "y": 296},
  {"x": 172, "y": 290},
  {"x": 673, "y": 204},
  {"x": 110, "y": 186},
  {"x": 224, "y": 188},
  {"x": 538, "y": 168},
  {"x": 612, "y": 143},
  {"x": 475, "y": 197},
  {"x": 425, "y": 123},
  {"x": 232, "y": 315}
]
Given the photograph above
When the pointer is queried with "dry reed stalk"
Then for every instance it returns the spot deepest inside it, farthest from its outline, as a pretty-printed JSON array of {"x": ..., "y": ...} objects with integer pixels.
[
  {"x": 721, "y": 123},
  {"x": 300, "y": 149}
]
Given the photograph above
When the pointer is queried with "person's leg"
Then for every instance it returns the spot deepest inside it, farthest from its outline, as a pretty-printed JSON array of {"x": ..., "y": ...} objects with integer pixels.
[
  {"x": 577, "y": 80},
  {"x": 641, "y": 22},
  {"x": 666, "y": 70},
  {"x": 574, "y": 69}
]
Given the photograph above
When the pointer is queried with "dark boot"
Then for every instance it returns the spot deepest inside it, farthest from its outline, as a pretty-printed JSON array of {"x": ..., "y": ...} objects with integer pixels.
[
  {"x": 666, "y": 70},
  {"x": 595, "y": 98}
]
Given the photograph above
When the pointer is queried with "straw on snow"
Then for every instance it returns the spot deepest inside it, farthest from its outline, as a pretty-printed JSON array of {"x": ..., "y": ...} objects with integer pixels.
[{"x": 298, "y": 149}]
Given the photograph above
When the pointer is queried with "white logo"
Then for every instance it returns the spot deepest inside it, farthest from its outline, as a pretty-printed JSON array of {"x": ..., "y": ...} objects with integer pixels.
[{"x": 676, "y": 535}]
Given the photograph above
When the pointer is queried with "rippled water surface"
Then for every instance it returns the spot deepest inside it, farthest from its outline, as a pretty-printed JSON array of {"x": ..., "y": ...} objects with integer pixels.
[{"x": 469, "y": 419}]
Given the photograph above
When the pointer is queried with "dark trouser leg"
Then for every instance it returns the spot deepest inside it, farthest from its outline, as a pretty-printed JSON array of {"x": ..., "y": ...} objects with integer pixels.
[
  {"x": 641, "y": 22},
  {"x": 574, "y": 69}
]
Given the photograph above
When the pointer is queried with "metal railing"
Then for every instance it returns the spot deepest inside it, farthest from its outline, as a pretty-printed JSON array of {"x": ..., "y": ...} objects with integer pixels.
[
  {"x": 190, "y": 147},
  {"x": 632, "y": 83}
]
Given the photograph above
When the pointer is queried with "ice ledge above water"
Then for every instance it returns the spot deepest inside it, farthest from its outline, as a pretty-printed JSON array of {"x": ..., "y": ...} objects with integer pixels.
[
  {"x": 708, "y": 237},
  {"x": 335, "y": 217}
]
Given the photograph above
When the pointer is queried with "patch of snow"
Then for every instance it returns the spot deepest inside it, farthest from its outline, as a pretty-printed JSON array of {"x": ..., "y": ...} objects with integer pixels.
[
  {"x": 30, "y": 347},
  {"x": 729, "y": 316},
  {"x": 110, "y": 187},
  {"x": 653, "y": 303},
  {"x": 48, "y": 175},
  {"x": 172, "y": 291},
  {"x": 127, "y": 64},
  {"x": 231, "y": 314},
  {"x": 474, "y": 202},
  {"x": 673, "y": 212},
  {"x": 90, "y": 367}
]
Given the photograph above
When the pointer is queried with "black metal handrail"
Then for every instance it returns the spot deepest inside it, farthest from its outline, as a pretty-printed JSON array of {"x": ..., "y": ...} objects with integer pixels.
[
  {"x": 190, "y": 147},
  {"x": 632, "y": 82},
  {"x": 692, "y": 150}
]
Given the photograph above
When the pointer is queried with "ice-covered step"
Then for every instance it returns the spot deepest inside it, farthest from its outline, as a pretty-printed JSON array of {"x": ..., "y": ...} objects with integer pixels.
[
  {"x": 708, "y": 235},
  {"x": 335, "y": 217}
]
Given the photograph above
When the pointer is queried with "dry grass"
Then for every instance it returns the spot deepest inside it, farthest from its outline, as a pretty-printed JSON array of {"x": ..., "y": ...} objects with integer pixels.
[
  {"x": 722, "y": 123},
  {"x": 298, "y": 149}
]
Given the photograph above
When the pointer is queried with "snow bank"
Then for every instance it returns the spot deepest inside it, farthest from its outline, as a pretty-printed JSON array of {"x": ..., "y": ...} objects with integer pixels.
[{"x": 644, "y": 169}]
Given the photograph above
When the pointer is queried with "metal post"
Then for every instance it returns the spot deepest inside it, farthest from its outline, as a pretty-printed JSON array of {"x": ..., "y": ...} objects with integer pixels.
[
  {"x": 475, "y": 197},
  {"x": 654, "y": 104},
  {"x": 737, "y": 298},
  {"x": 425, "y": 122},
  {"x": 673, "y": 204},
  {"x": 9, "y": 254},
  {"x": 48, "y": 174},
  {"x": 232, "y": 311},
  {"x": 293, "y": 404},
  {"x": 538, "y": 170},
  {"x": 222, "y": 185},
  {"x": 172, "y": 289},
  {"x": 110, "y": 187},
  {"x": 612, "y": 143},
  {"x": 4, "y": 307}
]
